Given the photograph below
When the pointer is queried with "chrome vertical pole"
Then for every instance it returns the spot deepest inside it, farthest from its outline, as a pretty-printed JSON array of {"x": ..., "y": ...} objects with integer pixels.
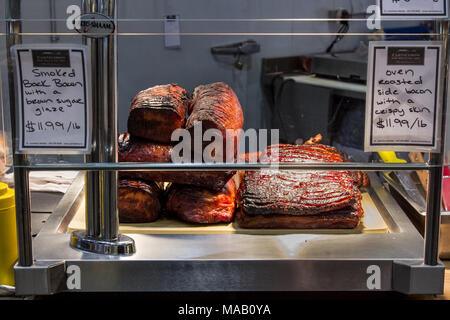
[
  {"x": 92, "y": 186},
  {"x": 108, "y": 127},
  {"x": 434, "y": 192},
  {"x": 21, "y": 183},
  {"x": 102, "y": 219}
]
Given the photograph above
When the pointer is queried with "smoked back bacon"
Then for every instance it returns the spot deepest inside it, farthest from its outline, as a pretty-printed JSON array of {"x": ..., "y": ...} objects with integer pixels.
[
  {"x": 157, "y": 111},
  {"x": 199, "y": 205},
  {"x": 216, "y": 106},
  {"x": 132, "y": 149},
  {"x": 138, "y": 201},
  {"x": 299, "y": 199}
]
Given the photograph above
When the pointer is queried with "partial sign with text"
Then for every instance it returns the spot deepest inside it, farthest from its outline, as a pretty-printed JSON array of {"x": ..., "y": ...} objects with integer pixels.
[
  {"x": 53, "y": 98},
  {"x": 403, "y": 96},
  {"x": 413, "y": 9}
]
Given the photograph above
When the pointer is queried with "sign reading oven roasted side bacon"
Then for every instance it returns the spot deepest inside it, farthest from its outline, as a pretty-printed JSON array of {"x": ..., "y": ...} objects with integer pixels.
[{"x": 403, "y": 96}]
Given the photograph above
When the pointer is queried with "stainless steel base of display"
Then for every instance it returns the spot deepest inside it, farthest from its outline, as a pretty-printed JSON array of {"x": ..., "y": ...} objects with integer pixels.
[
  {"x": 123, "y": 245},
  {"x": 391, "y": 261}
]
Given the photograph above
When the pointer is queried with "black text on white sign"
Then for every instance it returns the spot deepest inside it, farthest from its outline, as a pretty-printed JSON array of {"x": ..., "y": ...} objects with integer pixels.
[
  {"x": 53, "y": 101},
  {"x": 403, "y": 96},
  {"x": 419, "y": 9}
]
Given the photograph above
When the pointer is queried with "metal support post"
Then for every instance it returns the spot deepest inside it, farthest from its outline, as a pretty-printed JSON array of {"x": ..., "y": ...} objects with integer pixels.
[{"x": 102, "y": 219}]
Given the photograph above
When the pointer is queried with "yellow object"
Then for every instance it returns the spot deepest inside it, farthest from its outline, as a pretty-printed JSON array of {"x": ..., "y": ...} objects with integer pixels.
[
  {"x": 8, "y": 235},
  {"x": 390, "y": 157}
]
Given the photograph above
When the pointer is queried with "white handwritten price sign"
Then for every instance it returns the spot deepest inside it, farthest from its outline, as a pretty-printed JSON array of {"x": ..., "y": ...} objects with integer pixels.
[
  {"x": 413, "y": 9},
  {"x": 403, "y": 96},
  {"x": 53, "y": 98}
]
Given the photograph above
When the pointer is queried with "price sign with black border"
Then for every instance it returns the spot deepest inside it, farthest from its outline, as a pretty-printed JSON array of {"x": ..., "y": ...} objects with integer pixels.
[
  {"x": 403, "y": 101},
  {"x": 414, "y": 9},
  {"x": 53, "y": 93}
]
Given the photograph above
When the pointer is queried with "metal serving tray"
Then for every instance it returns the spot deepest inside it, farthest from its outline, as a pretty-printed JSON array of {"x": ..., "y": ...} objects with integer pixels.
[{"x": 390, "y": 261}]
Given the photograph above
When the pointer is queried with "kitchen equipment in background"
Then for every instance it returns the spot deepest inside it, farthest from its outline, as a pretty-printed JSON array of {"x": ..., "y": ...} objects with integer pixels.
[
  {"x": 319, "y": 93},
  {"x": 237, "y": 50},
  {"x": 345, "y": 66}
]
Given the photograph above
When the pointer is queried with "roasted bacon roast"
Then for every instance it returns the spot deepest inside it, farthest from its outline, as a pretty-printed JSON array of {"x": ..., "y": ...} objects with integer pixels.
[
  {"x": 156, "y": 112},
  {"x": 216, "y": 106},
  {"x": 345, "y": 219},
  {"x": 138, "y": 201},
  {"x": 299, "y": 199},
  {"x": 132, "y": 149},
  {"x": 203, "y": 206}
]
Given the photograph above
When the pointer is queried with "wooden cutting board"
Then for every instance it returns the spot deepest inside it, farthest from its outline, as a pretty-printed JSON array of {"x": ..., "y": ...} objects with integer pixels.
[{"x": 372, "y": 222}]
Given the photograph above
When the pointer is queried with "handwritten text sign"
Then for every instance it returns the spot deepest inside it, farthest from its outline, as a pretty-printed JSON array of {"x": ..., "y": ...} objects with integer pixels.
[
  {"x": 53, "y": 93},
  {"x": 403, "y": 96},
  {"x": 419, "y": 9}
]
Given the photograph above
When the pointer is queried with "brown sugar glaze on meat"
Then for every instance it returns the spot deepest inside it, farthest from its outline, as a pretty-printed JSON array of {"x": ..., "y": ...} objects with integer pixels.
[
  {"x": 199, "y": 205},
  {"x": 156, "y": 112},
  {"x": 132, "y": 149}
]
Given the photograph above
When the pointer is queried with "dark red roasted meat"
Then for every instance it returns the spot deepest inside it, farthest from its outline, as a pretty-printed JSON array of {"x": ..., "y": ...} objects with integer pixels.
[
  {"x": 138, "y": 201},
  {"x": 156, "y": 112},
  {"x": 133, "y": 149},
  {"x": 216, "y": 106},
  {"x": 200, "y": 205}
]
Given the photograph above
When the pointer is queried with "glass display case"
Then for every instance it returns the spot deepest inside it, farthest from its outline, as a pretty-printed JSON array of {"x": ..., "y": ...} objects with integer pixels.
[{"x": 302, "y": 205}]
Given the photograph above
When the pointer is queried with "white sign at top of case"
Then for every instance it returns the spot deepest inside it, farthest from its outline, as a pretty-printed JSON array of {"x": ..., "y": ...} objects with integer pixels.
[{"x": 413, "y": 9}]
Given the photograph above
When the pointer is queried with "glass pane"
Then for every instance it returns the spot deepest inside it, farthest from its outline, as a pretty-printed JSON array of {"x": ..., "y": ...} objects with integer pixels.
[{"x": 290, "y": 84}]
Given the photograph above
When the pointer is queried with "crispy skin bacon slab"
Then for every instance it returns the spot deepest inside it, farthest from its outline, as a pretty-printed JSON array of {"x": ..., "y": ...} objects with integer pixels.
[
  {"x": 319, "y": 199},
  {"x": 156, "y": 112},
  {"x": 133, "y": 149},
  {"x": 345, "y": 219},
  {"x": 138, "y": 201},
  {"x": 360, "y": 177},
  {"x": 203, "y": 206}
]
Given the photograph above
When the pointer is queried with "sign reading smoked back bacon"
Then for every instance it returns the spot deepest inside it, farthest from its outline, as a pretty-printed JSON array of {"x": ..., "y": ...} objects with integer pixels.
[
  {"x": 53, "y": 98},
  {"x": 403, "y": 96}
]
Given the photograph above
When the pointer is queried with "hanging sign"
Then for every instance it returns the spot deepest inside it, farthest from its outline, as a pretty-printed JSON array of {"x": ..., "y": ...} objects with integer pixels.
[
  {"x": 53, "y": 98},
  {"x": 403, "y": 96},
  {"x": 417, "y": 9}
]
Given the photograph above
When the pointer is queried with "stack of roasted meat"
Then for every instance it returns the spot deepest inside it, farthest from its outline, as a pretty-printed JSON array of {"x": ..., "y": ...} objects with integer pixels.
[
  {"x": 155, "y": 113},
  {"x": 261, "y": 199}
]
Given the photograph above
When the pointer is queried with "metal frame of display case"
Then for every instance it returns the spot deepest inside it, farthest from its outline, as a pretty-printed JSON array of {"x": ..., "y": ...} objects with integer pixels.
[{"x": 108, "y": 261}]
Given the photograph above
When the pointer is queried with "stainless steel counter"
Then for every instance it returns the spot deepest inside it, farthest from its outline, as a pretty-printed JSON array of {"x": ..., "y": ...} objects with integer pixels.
[{"x": 390, "y": 261}]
